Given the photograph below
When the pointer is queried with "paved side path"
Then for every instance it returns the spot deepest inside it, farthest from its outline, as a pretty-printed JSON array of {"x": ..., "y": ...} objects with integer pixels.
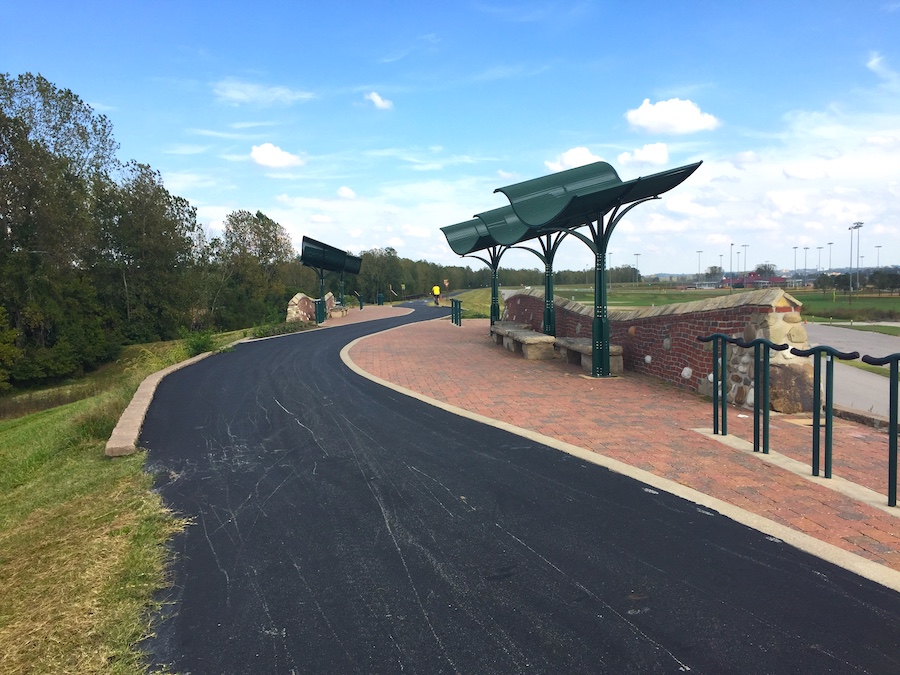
[{"x": 654, "y": 427}]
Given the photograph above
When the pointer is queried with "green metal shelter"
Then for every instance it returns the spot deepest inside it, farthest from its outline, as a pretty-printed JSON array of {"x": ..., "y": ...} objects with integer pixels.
[
  {"x": 591, "y": 196},
  {"x": 324, "y": 258},
  {"x": 552, "y": 207}
]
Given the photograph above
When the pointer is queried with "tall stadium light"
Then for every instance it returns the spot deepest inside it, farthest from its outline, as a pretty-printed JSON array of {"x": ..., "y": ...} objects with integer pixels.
[
  {"x": 795, "y": 264},
  {"x": 819, "y": 263},
  {"x": 731, "y": 267},
  {"x": 856, "y": 227},
  {"x": 829, "y": 255},
  {"x": 698, "y": 265},
  {"x": 637, "y": 276},
  {"x": 805, "y": 249},
  {"x": 746, "y": 259},
  {"x": 878, "y": 257}
]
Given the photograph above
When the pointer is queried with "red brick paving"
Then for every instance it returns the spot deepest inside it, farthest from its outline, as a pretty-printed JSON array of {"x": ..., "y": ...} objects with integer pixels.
[{"x": 646, "y": 424}]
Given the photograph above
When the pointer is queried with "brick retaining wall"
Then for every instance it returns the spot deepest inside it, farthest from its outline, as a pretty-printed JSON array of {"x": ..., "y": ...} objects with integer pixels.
[{"x": 662, "y": 341}]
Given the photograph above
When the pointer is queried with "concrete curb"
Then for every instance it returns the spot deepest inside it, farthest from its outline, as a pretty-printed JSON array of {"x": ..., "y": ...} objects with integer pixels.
[{"x": 123, "y": 440}]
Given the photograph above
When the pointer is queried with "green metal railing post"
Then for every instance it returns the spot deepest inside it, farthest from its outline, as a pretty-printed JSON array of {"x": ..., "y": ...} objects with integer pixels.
[
  {"x": 720, "y": 377},
  {"x": 456, "y": 312},
  {"x": 830, "y": 353},
  {"x": 761, "y": 349},
  {"x": 893, "y": 360}
]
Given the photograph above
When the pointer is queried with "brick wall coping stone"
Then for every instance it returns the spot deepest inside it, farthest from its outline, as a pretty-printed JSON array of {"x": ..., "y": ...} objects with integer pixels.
[{"x": 764, "y": 297}]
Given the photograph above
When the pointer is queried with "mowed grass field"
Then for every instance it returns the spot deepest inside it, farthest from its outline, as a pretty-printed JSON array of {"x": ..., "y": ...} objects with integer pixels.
[
  {"x": 816, "y": 305},
  {"x": 82, "y": 536}
]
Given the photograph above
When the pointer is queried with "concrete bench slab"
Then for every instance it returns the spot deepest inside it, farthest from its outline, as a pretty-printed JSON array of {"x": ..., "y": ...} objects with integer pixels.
[
  {"x": 532, "y": 345},
  {"x": 579, "y": 350},
  {"x": 501, "y": 328}
]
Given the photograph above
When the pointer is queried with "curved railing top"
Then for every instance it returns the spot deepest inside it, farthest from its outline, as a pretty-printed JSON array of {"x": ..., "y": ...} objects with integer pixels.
[{"x": 824, "y": 349}]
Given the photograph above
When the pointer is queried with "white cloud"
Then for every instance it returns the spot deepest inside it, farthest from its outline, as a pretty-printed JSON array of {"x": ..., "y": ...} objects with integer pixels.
[
  {"x": 673, "y": 116},
  {"x": 273, "y": 156},
  {"x": 346, "y": 193},
  {"x": 877, "y": 65},
  {"x": 236, "y": 92},
  {"x": 380, "y": 103},
  {"x": 652, "y": 153},
  {"x": 572, "y": 158}
]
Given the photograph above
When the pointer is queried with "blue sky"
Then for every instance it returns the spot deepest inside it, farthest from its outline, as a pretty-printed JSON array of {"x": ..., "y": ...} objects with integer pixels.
[{"x": 370, "y": 124}]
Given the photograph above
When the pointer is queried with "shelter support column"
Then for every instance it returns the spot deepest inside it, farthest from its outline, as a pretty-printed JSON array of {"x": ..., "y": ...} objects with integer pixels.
[
  {"x": 549, "y": 309},
  {"x": 600, "y": 325},
  {"x": 495, "y": 295}
]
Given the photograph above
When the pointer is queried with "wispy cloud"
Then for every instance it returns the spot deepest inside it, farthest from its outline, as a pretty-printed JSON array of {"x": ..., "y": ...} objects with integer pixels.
[
  {"x": 380, "y": 103},
  {"x": 877, "y": 64},
  {"x": 211, "y": 133},
  {"x": 238, "y": 92},
  {"x": 186, "y": 149},
  {"x": 422, "y": 42}
]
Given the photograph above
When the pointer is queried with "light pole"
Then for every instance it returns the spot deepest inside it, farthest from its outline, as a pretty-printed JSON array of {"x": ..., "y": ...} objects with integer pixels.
[
  {"x": 731, "y": 267},
  {"x": 856, "y": 227},
  {"x": 698, "y": 266},
  {"x": 858, "y": 251},
  {"x": 878, "y": 257},
  {"x": 746, "y": 259},
  {"x": 795, "y": 264},
  {"x": 721, "y": 269},
  {"x": 829, "y": 255},
  {"x": 637, "y": 276},
  {"x": 819, "y": 263},
  {"x": 805, "y": 249},
  {"x": 738, "y": 254}
]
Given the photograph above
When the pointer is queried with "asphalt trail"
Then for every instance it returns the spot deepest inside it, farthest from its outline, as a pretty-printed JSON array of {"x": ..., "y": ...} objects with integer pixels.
[{"x": 340, "y": 527}]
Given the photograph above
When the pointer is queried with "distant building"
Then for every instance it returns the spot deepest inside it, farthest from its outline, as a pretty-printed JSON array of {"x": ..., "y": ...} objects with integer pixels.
[{"x": 755, "y": 280}]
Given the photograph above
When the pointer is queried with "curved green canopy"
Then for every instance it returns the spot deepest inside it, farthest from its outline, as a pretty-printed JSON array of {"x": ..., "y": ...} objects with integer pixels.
[
  {"x": 577, "y": 196},
  {"x": 327, "y": 258},
  {"x": 469, "y": 236}
]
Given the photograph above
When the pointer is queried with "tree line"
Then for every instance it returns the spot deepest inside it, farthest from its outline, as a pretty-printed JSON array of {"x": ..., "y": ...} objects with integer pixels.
[{"x": 96, "y": 253}]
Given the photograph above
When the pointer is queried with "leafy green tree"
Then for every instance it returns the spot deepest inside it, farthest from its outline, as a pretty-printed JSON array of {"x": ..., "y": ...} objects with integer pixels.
[
  {"x": 147, "y": 250},
  {"x": 766, "y": 270},
  {"x": 380, "y": 268},
  {"x": 9, "y": 353},
  {"x": 250, "y": 264},
  {"x": 59, "y": 121},
  {"x": 46, "y": 234}
]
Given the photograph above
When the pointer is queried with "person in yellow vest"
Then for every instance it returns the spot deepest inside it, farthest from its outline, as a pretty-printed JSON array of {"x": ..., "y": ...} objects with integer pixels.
[{"x": 436, "y": 292}]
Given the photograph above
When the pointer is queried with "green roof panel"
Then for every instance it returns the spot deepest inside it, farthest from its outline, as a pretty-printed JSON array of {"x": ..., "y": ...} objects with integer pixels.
[
  {"x": 466, "y": 237},
  {"x": 577, "y": 196}
]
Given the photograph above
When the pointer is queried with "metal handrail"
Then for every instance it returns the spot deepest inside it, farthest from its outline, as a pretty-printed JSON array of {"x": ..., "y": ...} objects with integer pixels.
[{"x": 830, "y": 354}]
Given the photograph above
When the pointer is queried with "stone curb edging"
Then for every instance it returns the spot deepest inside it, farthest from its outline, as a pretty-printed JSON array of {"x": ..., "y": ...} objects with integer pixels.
[{"x": 123, "y": 440}]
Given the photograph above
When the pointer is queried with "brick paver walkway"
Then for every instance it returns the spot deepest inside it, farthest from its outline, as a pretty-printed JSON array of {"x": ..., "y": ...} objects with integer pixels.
[{"x": 649, "y": 425}]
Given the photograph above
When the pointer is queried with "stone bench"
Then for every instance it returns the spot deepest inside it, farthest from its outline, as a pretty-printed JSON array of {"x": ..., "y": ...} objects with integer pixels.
[
  {"x": 534, "y": 346},
  {"x": 338, "y": 310},
  {"x": 579, "y": 350},
  {"x": 499, "y": 329}
]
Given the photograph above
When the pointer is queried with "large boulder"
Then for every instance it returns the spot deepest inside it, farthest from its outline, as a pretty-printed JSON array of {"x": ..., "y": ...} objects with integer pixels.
[{"x": 791, "y": 387}]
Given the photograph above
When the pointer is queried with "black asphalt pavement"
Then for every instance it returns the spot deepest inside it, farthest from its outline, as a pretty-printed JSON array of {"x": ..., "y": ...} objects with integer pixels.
[{"x": 340, "y": 527}]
